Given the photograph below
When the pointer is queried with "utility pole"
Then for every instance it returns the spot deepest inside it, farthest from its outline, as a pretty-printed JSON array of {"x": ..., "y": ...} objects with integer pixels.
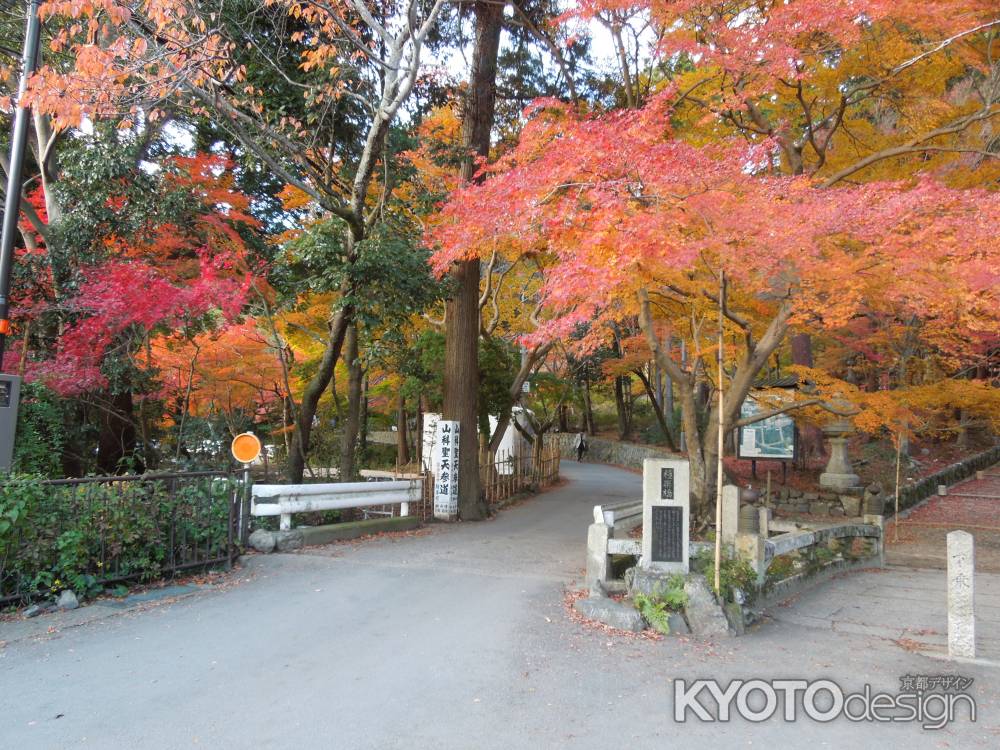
[{"x": 10, "y": 385}]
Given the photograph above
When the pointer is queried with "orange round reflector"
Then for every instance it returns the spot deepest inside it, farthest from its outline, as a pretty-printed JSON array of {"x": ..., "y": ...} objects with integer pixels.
[{"x": 245, "y": 447}]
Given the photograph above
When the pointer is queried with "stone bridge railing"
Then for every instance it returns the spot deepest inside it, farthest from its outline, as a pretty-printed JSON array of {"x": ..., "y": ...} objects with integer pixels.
[{"x": 815, "y": 552}]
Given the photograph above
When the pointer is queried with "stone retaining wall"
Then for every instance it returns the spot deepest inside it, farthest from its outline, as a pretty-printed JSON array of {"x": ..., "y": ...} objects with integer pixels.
[
  {"x": 912, "y": 494},
  {"x": 603, "y": 451},
  {"x": 790, "y": 501}
]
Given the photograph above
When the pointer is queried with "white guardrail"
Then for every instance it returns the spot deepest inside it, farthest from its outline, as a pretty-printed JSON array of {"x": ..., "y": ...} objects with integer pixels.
[{"x": 285, "y": 499}]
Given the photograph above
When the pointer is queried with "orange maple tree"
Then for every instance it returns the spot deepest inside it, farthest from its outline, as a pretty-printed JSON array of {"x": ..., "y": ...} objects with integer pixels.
[{"x": 635, "y": 223}]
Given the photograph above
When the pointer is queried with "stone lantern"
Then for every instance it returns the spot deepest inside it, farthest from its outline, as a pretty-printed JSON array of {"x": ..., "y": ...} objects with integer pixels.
[{"x": 839, "y": 475}]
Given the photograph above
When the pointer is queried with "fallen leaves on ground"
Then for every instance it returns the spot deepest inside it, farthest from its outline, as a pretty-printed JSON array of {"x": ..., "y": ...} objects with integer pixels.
[{"x": 570, "y": 597}]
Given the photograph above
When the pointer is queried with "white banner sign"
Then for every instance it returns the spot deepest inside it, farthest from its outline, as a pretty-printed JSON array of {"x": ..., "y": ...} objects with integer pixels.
[{"x": 446, "y": 461}]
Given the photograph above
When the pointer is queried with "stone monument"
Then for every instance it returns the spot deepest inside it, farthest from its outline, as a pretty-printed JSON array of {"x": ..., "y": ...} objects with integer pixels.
[{"x": 666, "y": 510}]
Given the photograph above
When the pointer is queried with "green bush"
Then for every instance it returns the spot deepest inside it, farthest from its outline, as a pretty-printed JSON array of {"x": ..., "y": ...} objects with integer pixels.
[
  {"x": 80, "y": 537},
  {"x": 41, "y": 433}
]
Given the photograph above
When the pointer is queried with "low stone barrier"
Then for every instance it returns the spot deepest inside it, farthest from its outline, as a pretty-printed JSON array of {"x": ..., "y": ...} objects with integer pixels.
[
  {"x": 604, "y": 451},
  {"x": 760, "y": 551},
  {"x": 290, "y": 540},
  {"x": 912, "y": 494}
]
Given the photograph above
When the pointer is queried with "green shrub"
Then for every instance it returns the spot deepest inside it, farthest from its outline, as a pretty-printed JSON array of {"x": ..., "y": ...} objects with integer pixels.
[
  {"x": 656, "y": 608},
  {"x": 41, "y": 432},
  {"x": 733, "y": 574},
  {"x": 654, "y": 611},
  {"x": 780, "y": 568},
  {"x": 79, "y": 537}
]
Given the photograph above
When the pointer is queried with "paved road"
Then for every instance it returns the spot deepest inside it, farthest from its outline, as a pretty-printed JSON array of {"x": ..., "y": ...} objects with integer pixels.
[{"x": 457, "y": 638}]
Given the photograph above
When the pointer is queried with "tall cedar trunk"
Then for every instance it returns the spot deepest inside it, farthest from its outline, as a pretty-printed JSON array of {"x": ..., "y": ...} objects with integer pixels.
[
  {"x": 313, "y": 392},
  {"x": 116, "y": 440},
  {"x": 349, "y": 438},
  {"x": 461, "y": 375},
  {"x": 402, "y": 441},
  {"x": 461, "y": 384}
]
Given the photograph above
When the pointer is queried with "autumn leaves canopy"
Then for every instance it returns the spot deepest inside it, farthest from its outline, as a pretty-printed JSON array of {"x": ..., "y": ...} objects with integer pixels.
[{"x": 837, "y": 159}]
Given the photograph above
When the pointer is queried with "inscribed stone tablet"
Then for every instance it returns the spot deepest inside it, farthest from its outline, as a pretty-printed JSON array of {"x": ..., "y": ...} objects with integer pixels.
[{"x": 668, "y": 533}]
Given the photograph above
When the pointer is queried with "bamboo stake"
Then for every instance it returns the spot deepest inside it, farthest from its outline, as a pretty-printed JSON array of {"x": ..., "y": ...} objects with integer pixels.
[
  {"x": 899, "y": 453},
  {"x": 718, "y": 468}
]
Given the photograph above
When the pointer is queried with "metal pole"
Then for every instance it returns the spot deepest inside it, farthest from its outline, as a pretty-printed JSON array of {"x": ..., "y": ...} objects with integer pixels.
[
  {"x": 245, "y": 501},
  {"x": 18, "y": 141}
]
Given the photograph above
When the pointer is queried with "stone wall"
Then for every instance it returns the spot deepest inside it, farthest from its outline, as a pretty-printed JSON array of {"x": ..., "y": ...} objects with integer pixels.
[
  {"x": 790, "y": 501},
  {"x": 876, "y": 500},
  {"x": 604, "y": 451},
  {"x": 912, "y": 494}
]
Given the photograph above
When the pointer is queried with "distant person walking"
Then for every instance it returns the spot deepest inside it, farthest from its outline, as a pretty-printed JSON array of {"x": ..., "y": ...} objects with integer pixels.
[{"x": 581, "y": 446}]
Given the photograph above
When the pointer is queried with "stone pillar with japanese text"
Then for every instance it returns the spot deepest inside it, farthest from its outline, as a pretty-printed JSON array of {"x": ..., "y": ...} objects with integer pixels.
[
  {"x": 446, "y": 482},
  {"x": 961, "y": 595}
]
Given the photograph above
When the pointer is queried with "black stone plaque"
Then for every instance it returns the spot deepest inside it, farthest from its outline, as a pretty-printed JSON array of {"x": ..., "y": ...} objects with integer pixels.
[
  {"x": 666, "y": 484},
  {"x": 667, "y": 533}
]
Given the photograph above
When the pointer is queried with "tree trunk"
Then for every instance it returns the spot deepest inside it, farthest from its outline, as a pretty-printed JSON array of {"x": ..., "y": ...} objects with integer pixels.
[
  {"x": 402, "y": 444},
  {"x": 588, "y": 410},
  {"x": 802, "y": 353},
  {"x": 363, "y": 416},
  {"x": 623, "y": 388},
  {"x": 461, "y": 376},
  {"x": 702, "y": 441},
  {"x": 418, "y": 437},
  {"x": 657, "y": 409},
  {"x": 286, "y": 423},
  {"x": 349, "y": 438},
  {"x": 313, "y": 392},
  {"x": 461, "y": 385},
  {"x": 116, "y": 439}
]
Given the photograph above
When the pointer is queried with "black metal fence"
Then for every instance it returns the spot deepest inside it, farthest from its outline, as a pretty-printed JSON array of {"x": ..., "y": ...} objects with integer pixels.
[{"x": 86, "y": 534}]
